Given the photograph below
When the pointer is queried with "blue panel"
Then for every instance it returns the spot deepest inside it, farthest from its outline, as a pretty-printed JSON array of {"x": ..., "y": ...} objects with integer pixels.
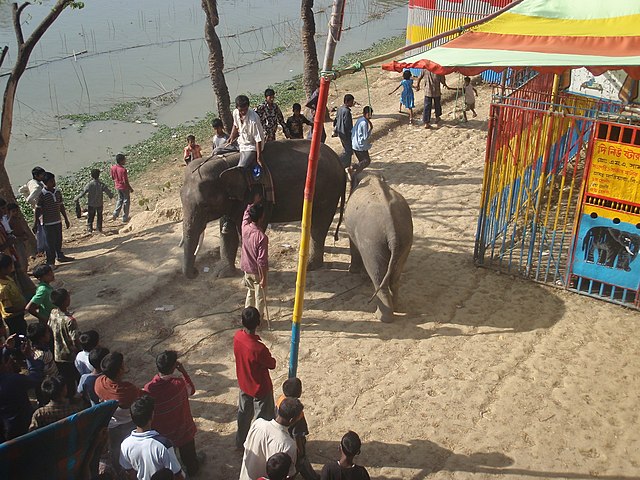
[{"x": 608, "y": 252}]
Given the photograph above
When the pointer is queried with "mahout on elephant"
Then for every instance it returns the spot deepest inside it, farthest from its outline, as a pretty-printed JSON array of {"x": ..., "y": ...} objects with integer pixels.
[
  {"x": 380, "y": 228},
  {"x": 214, "y": 187}
]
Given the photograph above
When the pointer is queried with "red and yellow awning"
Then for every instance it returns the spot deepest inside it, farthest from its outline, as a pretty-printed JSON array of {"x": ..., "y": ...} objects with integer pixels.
[{"x": 547, "y": 35}]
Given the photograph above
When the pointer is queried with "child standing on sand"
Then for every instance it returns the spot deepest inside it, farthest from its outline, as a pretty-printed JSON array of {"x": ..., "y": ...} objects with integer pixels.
[
  {"x": 406, "y": 97},
  {"x": 470, "y": 95},
  {"x": 192, "y": 150},
  {"x": 95, "y": 190}
]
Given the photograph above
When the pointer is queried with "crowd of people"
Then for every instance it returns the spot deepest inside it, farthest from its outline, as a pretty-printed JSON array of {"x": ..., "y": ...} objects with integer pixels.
[
  {"x": 51, "y": 369},
  {"x": 66, "y": 370}
]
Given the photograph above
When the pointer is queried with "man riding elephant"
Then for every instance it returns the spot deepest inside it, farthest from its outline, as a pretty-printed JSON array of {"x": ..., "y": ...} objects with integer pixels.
[{"x": 213, "y": 188}]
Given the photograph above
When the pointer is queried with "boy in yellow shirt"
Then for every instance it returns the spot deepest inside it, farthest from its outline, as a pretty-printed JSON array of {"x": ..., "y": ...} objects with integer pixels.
[{"x": 12, "y": 301}]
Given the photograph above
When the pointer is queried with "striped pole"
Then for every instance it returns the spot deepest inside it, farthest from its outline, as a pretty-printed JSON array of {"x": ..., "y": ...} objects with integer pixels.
[{"x": 337, "y": 14}]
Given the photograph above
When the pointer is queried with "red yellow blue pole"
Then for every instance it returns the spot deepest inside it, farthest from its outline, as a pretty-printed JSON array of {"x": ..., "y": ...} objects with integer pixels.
[{"x": 335, "y": 28}]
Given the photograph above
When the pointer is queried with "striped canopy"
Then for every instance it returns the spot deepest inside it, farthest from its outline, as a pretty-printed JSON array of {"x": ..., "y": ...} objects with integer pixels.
[{"x": 547, "y": 35}]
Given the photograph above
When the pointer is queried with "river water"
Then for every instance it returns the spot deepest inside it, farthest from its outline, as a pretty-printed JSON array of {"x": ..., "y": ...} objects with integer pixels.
[{"x": 115, "y": 51}]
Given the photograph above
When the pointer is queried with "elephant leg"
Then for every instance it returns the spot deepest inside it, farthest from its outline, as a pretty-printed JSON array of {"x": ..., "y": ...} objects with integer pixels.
[
  {"x": 384, "y": 305},
  {"x": 395, "y": 279},
  {"x": 320, "y": 224},
  {"x": 229, "y": 242},
  {"x": 356, "y": 265},
  {"x": 191, "y": 232}
]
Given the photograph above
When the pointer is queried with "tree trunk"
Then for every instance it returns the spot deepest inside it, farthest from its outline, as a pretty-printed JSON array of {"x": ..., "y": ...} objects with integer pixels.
[
  {"x": 216, "y": 63},
  {"x": 310, "y": 70},
  {"x": 25, "y": 47}
]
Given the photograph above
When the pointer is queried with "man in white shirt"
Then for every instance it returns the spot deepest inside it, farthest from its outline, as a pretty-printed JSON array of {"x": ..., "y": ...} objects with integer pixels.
[
  {"x": 247, "y": 129},
  {"x": 267, "y": 438},
  {"x": 145, "y": 451},
  {"x": 31, "y": 192}
]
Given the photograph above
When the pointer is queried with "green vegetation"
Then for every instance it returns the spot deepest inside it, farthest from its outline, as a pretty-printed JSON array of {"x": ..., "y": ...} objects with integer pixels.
[
  {"x": 123, "y": 111},
  {"x": 168, "y": 142},
  {"x": 383, "y": 46},
  {"x": 276, "y": 51}
]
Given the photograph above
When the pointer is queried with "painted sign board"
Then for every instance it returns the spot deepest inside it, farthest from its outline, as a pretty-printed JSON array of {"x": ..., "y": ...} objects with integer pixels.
[{"x": 607, "y": 242}]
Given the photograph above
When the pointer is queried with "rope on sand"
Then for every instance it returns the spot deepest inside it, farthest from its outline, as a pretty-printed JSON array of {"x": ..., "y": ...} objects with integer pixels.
[{"x": 227, "y": 312}]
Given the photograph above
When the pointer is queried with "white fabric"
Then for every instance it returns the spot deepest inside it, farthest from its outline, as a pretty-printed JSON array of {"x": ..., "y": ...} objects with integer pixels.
[
  {"x": 219, "y": 141},
  {"x": 82, "y": 363},
  {"x": 146, "y": 453},
  {"x": 249, "y": 131},
  {"x": 266, "y": 438},
  {"x": 469, "y": 96},
  {"x": 35, "y": 188}
]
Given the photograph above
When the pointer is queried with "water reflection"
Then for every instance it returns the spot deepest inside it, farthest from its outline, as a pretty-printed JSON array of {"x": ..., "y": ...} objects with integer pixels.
[{"x": 118, "y": 51}]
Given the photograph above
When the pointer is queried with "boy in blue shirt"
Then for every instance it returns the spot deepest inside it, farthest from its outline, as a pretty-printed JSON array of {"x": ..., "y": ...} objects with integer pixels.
[{"x": 360, "y": 140}]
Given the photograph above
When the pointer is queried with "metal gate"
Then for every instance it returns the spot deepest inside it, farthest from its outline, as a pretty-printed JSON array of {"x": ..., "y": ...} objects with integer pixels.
[{"x": 537, "y": 147}]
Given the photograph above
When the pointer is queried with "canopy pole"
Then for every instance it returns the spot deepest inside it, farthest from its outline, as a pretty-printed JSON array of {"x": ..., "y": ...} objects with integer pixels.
[
  {"x": 423, "y": 43},
  {"x": 555, "y": 92},
  {"x": 335, "y": 27}
]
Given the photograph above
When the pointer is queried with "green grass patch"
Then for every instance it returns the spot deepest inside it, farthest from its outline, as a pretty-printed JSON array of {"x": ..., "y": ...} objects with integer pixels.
[{"x": 125, "y": 112}]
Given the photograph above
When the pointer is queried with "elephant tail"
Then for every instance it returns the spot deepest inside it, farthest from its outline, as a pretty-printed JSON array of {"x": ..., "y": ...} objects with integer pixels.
[
  {"x": 342, "y": 202},
  {"x": 387, "y": 276}
]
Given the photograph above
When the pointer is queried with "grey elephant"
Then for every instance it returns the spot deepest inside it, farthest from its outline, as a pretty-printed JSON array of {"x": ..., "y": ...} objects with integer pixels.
[
  {"x": 208, "y": 194},
  {"x": 380, "y": 228},
  {"x": 615, "y": 248}
]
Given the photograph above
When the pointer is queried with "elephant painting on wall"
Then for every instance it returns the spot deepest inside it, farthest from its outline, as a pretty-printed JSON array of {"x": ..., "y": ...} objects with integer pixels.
[
  {"x": 380, "y": 228},
  {"x": 610, "y": 247},
  {"x": 207, "y": 196}
]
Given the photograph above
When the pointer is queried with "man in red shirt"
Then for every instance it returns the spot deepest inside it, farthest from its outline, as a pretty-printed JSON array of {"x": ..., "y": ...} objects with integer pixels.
[
  {"x": 112, "y": 386},
  {"x": 121, "y": 181},
  {"x": 253, "y": 362},
  {"x": 172, "y": 415}
]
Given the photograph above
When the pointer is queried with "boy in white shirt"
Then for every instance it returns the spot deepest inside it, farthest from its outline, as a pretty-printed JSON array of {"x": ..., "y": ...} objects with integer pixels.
[{"x": 145, "y": 451}]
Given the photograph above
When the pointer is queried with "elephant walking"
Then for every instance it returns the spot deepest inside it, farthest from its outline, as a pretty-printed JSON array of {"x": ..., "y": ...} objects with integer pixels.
[
  {"x": 207, "y": 196},
  {"x": 378, "y": 221}
]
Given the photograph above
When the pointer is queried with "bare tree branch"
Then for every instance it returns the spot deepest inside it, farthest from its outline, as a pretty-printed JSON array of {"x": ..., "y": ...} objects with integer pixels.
[
  {"x": 16, "y": 11},
  {"x": 5, "y": 50},
  {"x": 25, "y": 48},
  {"x": 51, "y": 17}
]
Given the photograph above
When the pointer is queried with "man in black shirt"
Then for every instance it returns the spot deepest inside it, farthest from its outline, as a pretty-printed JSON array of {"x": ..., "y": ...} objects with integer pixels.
[{"x": 345, "y": 469}]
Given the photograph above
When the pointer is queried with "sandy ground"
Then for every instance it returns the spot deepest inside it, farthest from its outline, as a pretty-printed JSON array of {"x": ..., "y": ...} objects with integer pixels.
[{"x": 484, "y": 375}]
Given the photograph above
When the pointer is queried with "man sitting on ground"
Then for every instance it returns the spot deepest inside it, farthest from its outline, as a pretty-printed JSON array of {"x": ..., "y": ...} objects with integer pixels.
[
  {"x": 59, "y": 407},
  {"x": 15, "y": 407}
]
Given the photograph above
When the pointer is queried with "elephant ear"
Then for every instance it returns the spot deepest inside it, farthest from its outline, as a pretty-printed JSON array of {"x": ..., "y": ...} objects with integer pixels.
[
  {"x": 234, "y": 183},
  {"x": 615, "y": 233}
]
